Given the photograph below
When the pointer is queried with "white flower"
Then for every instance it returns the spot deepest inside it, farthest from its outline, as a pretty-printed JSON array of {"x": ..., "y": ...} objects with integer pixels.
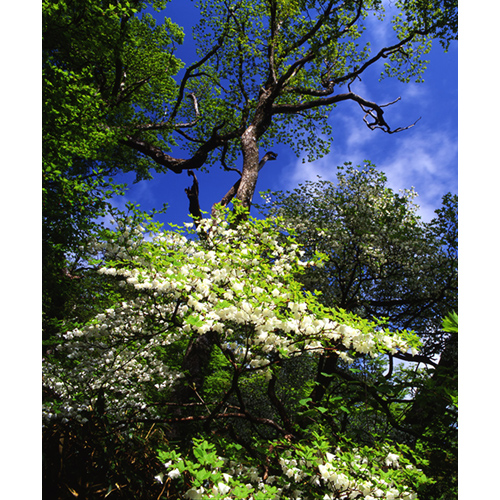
[
  {"x": 174, "y": 473},
  {"x": 223, "y": 488},
  {"x": 392, "y": 460},
  {"x": 195, "y": 494},
  {"x": 391, "y": 494}
]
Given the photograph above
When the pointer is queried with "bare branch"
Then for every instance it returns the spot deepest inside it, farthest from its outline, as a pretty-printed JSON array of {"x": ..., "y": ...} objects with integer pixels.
[
  {"x": 156, "y": 154},
  {"x": 278, "y": 404},
  {"x": 188, "y": 137},
  {"x": 378, "y": 121},
  {"x": 371, "y": 109},
  {"x": 196, "y": 111},
  {"x": 271, "y": 45}
]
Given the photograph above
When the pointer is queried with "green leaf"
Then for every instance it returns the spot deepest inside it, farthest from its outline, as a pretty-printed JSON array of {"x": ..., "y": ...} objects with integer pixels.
[
  {"x": 194, "y": 319},
  {"x": 450, "y": 322},
  {"x": 242, "y": 491}
]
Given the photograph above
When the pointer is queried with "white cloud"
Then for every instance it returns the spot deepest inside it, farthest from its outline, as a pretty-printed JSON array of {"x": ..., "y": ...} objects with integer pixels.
[
  {"x": 426, "y": 161},
  {"x": 421, "y": 158}
]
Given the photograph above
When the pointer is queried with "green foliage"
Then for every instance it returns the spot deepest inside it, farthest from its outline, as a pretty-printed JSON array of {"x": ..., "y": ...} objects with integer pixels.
[
  {"x": 259, "y": 376},
  {"x": 312, "y": 469},
  {"x": 232, "y": 300},
  {"x": 382, "y": 260},
  {"x": 277, "y": 66},
  {"x": 104, "y": 71},
  {"x": 450, "y": 323}
]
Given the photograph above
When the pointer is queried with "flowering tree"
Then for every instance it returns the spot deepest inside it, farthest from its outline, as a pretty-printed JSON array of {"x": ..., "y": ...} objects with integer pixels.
[
  {"x": 265, "y": 71},
  {"x": 236, "y": 290},
  {"x": 314, "y": 471}
]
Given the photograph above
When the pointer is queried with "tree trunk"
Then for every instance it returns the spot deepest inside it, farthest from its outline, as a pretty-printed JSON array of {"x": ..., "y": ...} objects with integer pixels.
[
  {"x": 326, "y": 367},
  {"x": 250, "y": 172}
]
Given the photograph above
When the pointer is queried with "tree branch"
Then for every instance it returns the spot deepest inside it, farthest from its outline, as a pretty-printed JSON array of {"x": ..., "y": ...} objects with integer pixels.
[
  {"x": 201, "y": 418},
  {"x": 276, "y": 402},
  {"x": 168, "y": 124},
  {"x": 311, "y": 55},
  {"x": 370, "y": 108},
  {"x": 193, "y": 196},
  {"x": 175, "y": 164},
  {"x": 379, "y": 401},
  {"x": 159, "y": 157},
  {"x": 196, "y": 65}
]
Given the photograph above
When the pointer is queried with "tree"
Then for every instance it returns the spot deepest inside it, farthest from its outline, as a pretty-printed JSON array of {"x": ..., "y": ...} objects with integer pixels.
[
  {"x": 178, "y": 348},
  {"x": 383, "y": 260},
  {"x": 122, "y": 371},
  {"x": 268, "y": 70}
]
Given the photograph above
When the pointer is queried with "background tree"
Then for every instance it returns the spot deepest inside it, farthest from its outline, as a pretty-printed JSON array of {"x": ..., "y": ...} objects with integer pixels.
[
  {"x": 383, "y": 261},
  {"x": 105, "y": 69}
]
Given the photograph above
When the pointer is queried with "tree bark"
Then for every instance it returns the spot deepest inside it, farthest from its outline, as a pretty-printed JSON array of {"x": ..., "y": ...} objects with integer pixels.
[
  {"x": 250, "y": 172},
  {"x": 193, "y": 197}
]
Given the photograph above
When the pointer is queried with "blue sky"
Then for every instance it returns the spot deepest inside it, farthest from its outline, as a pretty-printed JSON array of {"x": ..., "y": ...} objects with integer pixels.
[{"x": 424, "y": 157}]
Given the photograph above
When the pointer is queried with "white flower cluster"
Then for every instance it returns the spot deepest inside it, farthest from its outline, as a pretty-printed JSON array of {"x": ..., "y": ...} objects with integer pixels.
[
  {"x": 348, "y": 486},
  {"x": 335, "y": 476},
  {"x": 105, "y": 361},
  {"x": 238, "y": 283}
]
